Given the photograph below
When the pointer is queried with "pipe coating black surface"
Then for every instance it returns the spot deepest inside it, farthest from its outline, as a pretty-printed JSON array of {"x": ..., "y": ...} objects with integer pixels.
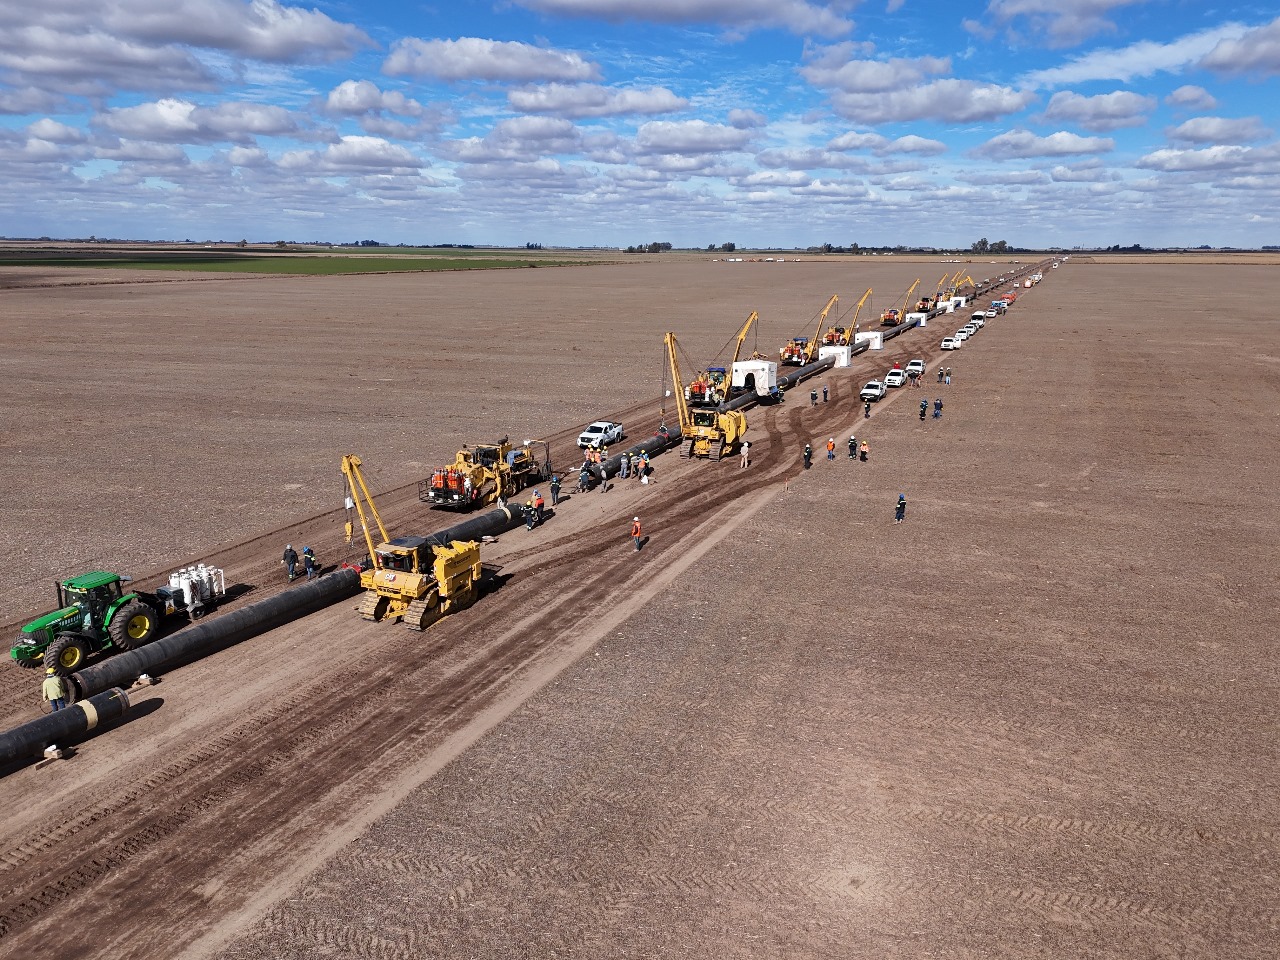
[{"x": 61, "y": 727}]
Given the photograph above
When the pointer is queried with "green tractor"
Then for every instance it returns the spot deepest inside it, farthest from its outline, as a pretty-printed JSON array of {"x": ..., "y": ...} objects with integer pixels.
[{"x": 94, "y": 613}]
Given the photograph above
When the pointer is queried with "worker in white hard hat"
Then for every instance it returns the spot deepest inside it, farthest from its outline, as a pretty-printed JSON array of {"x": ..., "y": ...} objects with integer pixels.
[{"x": 637, "y": 534}]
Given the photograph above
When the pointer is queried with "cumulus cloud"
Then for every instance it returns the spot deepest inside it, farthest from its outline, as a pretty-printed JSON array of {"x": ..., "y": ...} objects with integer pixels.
[
  {"x": 689, "y": 137},
  {"x": 593, "y": 100},
  {"x": 1009, "y": 178},
  {"x": 1142, "y": 59},
  {"x": 472, "y": 58},
  {"x": 519, "y": 139},
  {"x": 144, "y": 151},
  {"x": 1061, "y": 24},
  {"x": 1191, "y": 97},
  {"x": 1019, "y": 144},
  {"x": 831, "y": 68},
  {"x": 880, "y": 145},
  {"x": 798, "y": 16},
  {"x": 180, "y": 121},
  {"x": 28, "y": 100},
  {"x": 1219, "y": 130},
  {"x": 747, "y": 119},
  {"x": 353, "y": 155},
  {"x": 96, "y": 49},
  {"x": 55, "y": 132},
  {"x": 1093, "y": 173},
  {"x": 355, "y": 97},
  {"x": 950, "y": 100},
  {"x": 1257, "y": 51},
  {"x": 1217, "y": 158},
  {"x": 258, "y": 29},
  {"x": 1106, "y": 111}
]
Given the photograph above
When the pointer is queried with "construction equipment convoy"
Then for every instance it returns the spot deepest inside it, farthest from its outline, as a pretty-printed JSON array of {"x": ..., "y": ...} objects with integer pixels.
[
  {"x": 800, "y": 351},
  {"x": 704, "y": 432},
  {"x": 484, "y": 473},
  {"x": 843, "y": 336},
  {"x": 409, "y": 578},
  {"x": 895, "y": 316},
  {"x": 96, "y": 614}
]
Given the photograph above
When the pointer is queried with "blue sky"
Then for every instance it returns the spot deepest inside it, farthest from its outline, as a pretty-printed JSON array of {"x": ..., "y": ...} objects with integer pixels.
[{"x": 611, "y": 122}]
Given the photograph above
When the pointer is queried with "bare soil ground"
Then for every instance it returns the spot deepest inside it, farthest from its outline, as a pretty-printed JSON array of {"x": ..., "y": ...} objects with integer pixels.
[{"x": 1037, "y": 719}]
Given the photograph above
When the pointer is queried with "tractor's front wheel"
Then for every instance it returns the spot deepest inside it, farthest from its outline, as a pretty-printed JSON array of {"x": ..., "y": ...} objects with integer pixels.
[
  {"x": 66, "y": 654},
  {"x": 133, "y": 625},
  {"x": 29, "y": 663}
]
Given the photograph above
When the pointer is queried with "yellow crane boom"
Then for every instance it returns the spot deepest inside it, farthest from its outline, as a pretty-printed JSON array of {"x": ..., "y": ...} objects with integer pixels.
[
  {"x": 359, "y": 497},
  {"x": 742, "y": 336},
  {"x": 677, "y": 383},
  {"x": 812, "y": 346}
]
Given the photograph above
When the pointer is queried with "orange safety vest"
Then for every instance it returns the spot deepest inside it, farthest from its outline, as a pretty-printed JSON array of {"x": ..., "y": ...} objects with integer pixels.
[
  {"x": 538, "y": 501},
  {"x": 635, "y": 529},
  {"x": 830, "y": 446}
]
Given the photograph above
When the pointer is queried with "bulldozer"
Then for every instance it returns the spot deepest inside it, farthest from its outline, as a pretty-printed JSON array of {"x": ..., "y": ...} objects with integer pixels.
[
  {"x": 705, "y": 432},
  {"x": 484, "y": 473},
  {"x": 410, "y": 578}
]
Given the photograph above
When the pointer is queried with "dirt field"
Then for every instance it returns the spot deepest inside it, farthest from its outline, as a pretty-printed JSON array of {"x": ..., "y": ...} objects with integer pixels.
[{"x": 1036, "y": 719}]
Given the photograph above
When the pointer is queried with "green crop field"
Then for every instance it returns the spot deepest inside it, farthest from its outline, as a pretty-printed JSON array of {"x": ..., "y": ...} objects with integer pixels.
[{"x": 291, "y": 264}]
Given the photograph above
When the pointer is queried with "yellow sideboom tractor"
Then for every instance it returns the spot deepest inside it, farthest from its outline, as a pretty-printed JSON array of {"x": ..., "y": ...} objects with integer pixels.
[
  {"x": 409, "y": 578},
  {"x": 704, "y": 432}
]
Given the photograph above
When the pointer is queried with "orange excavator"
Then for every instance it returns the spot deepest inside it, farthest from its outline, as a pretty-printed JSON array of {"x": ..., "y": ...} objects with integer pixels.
[{"x": 894, "y": 315}]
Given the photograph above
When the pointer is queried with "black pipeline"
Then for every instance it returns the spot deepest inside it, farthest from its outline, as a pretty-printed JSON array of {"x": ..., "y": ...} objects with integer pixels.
[
  {"x": 62, "y": 726},
  {"x": 224, "y": 630},
  {"x": 486, "y": 525},
  {"x": 653, "y": 446}
]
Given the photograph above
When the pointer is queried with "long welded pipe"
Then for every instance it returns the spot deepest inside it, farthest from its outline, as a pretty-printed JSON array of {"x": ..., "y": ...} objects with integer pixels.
[
  {"x": 486, "y": 525},
  {"x": 62, "y": 726},
  {"x": 224, "y": 630},
  {"x": 805, "y": 372},
  {"x": 653, "y": 446}
]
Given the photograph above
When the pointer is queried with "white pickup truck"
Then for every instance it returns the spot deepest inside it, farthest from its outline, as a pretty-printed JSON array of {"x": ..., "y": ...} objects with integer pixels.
[
  {"x": 874, "y": 390},
  {"x": 600, "y": 434}
]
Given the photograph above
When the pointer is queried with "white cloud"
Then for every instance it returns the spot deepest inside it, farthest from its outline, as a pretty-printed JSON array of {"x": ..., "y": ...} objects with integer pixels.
[
  {"x": 472, "y": 58},
  {"x": 260, "y": 29},
  {"x": 1061, "y": 23},
  {"x": 355, "y": 97},
  {"x": 592, "y": 100},
  {"x": 1106, "y": 111},
  {"x": 248, "y": 156},
  {"x": 950, "y": 100},
  {"x": 747, "y": 119},
  {"x": 520, "y": 139},
  {"x": 55, "y": 132},
  {"x": 352, "y": 155},
  {"x": 689, "y": 137},
  {"x": 1142, "y": 59},
  {"x": 834, "y": 190},
  {"x": 1211, "y": 158},
  {"x": 28, "y": 100},
  {"x": 1082, "y": 174},
  {"x": 1219, "y": 130},
  {"x": 1257, "y": 51},
  {"x": 879, "y": 145},
  {"x": 1191, "y": 97},
  {"x": 1019, "y": 144},
  {"x": 140, "y": 150},
  {"x": 180, "y": 121},
  {"x": 830, "y": 69},
  {"x": 798, "y": 16},
  {"x": 1004, "y": 178}
]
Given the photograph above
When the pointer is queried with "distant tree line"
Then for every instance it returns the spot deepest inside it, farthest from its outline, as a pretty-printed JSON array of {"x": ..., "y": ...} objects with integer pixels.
[{"x": 649, "y": 248}]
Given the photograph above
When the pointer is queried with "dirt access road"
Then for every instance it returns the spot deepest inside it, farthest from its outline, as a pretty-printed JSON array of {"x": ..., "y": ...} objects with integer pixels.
[{"x": 1035, "y": 720}]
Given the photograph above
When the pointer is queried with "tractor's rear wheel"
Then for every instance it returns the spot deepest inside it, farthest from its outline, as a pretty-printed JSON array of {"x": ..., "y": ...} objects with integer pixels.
[
  {"x": 66, "y": 654},
  {"x": 133, "y": 625}
]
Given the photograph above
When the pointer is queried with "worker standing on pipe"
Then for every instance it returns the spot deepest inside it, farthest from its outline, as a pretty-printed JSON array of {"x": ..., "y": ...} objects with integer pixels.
[
  {"x": 54, "y": 690},
  {"x": 637, "y": 534},
  {"x": 290, "y": 561}
]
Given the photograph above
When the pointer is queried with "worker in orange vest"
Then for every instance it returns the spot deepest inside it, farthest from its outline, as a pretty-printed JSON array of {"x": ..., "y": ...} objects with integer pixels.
[
  {"x": 538, "y": 504},
  {"x": 831, "y": 448},
  {"x": 636, "y": 535}
]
